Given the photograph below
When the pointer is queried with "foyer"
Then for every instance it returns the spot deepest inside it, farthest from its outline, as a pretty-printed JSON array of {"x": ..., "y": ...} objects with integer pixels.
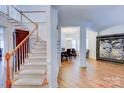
[{"x": 32, "y": 46}]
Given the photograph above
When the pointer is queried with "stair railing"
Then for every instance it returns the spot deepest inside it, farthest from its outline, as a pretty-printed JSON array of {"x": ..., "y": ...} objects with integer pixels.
[{"x": 20, "y": 52}]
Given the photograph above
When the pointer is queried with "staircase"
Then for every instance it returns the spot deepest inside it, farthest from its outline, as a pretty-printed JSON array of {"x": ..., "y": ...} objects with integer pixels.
[{"x": 33, "y": 71}]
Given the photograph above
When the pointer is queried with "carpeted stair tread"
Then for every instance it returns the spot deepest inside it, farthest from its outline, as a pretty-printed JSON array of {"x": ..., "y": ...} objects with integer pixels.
[
  {"x": 28, "y": 82},
  {"x": 35, "y": 63},
  {"x": 32, "y": 71}
]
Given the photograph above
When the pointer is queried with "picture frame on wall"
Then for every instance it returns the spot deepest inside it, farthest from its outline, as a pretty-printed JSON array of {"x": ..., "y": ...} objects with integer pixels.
[{"x": 110, "y": 48}]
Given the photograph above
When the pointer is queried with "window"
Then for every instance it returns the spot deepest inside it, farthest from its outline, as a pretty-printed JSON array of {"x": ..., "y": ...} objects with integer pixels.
[
  {"x": 74, "y": 44},
  {"x": 87, "y": 43},
  {"x": 68, "y": 43}
]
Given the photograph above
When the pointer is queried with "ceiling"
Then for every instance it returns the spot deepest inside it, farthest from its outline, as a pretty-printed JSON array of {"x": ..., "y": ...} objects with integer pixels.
[
  {"x": 70, "y": 30},
  {"x": 98, "y": 16}
]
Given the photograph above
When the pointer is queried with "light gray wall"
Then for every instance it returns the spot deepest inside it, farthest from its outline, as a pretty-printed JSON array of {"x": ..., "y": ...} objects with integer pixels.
[
  {"x": 8, "y": 34},
  {"x": 118, "y": 29},
  {"x": 91, "y": 36}
]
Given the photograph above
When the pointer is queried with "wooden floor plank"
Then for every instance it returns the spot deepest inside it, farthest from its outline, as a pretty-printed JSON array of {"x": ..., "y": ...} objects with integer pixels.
[{"x": 98, "y": 74}]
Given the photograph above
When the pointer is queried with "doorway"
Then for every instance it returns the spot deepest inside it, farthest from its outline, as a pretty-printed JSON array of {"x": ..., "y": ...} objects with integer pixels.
[{"x": 70, "y": 46}]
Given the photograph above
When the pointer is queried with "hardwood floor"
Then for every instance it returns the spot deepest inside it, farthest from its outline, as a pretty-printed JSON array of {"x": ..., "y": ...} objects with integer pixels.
[{"x": 96, "y": 75}]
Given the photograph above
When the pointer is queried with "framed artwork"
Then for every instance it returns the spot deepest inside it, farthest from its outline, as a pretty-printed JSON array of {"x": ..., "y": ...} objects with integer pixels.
[{"x": 110, "y": 48}]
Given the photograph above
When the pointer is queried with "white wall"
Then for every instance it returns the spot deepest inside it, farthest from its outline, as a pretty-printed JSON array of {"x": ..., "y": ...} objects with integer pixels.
[
  {"x": 9, "y": 28},
  {"x": 63, "y": 41},
  {"x": 113, "y": 30},
  {"x": 8, "y": 38},
  {"x": 41, "y": 17},
  {"x": 91, "y": 36},
  {"x": 43, "y": 31}
]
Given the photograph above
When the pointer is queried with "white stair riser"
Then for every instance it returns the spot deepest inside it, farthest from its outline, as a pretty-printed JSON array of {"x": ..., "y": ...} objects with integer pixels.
[
  {"x": 39, "y": 40},
  {"x": 27, "y": 86},
  {"x": 36, "y": 60},
  {"x": 39, "y": 47},
  {"x": 38, "y": 51},
  {"x": 33, "y": 67},
  {"x": 35, "y": 64},
  {"x": 37, "y": 54},
  {"x": 34, "y": 56},
  {"x": 40, "y": 44},
  {"x": 33, "y": 52},
  {"x": 28, "y": 76},
  {"x": 31, "y": 73}
]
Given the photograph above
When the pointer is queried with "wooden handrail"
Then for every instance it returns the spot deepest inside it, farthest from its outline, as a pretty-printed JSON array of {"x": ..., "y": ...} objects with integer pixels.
[{"x": 23, "y": 43}]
